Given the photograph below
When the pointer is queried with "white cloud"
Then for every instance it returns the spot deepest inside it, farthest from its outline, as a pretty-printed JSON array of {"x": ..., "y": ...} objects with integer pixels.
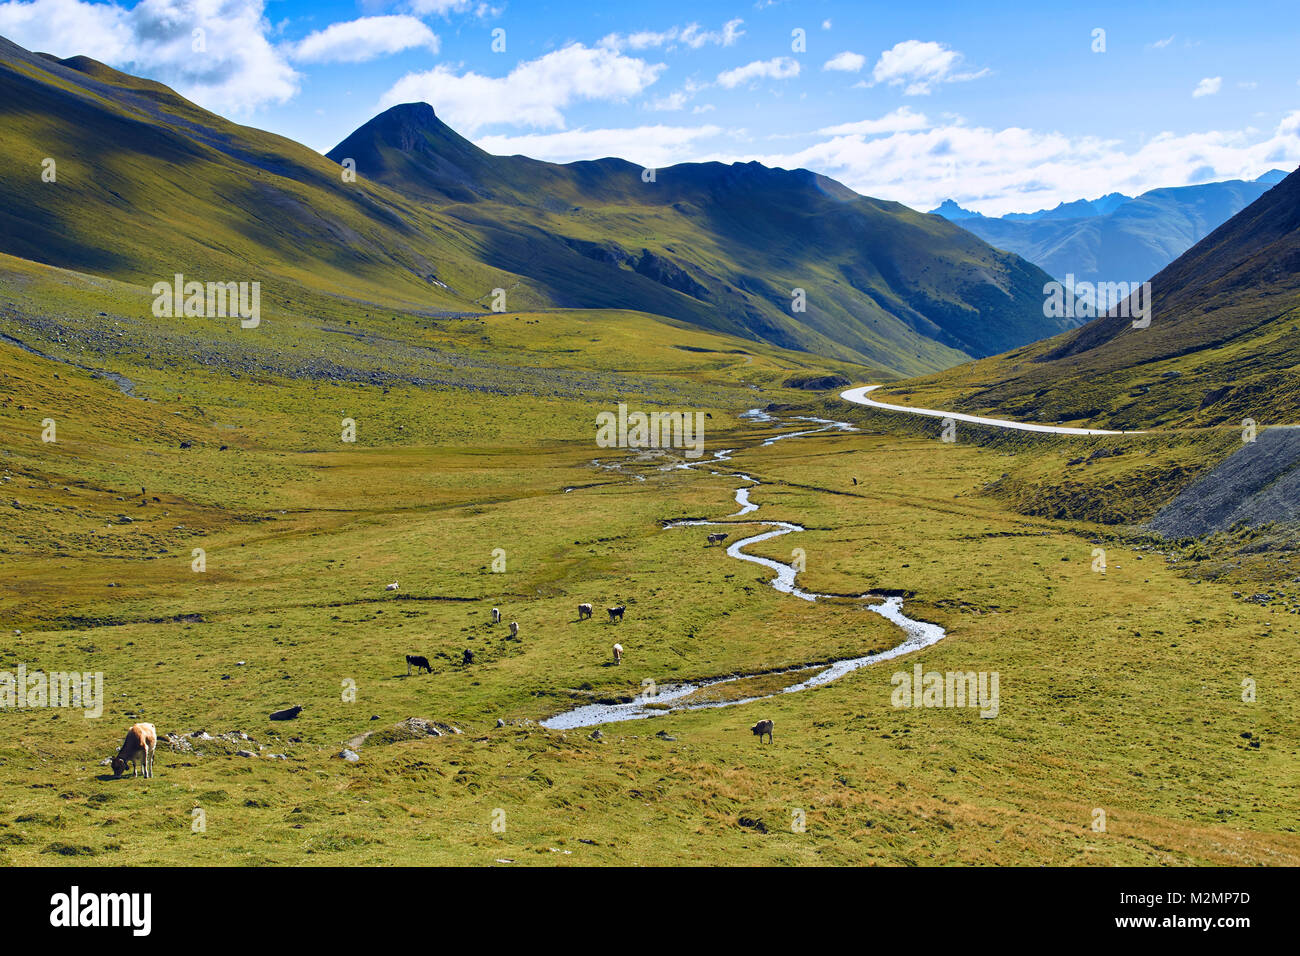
[
  {"x": 692, "y": 35},
  {"x": 355, "y": 41},
  {"x": 919, "y": 66},
  {"x": 1208, "y": 86},
  {"x": 1161, "y": 44},
  {"x": 899, "y": 120},
  {"x": 679, "y": 99},
  {"x": 444, "y": 8},
  {"x": 532, "y": 94},
  {"x": 826, "y": 24},
  {"x": 238, "y": 69},
  {"x": 669, "y": 103},
  {"x": 995, "y": 171},
  {"x": 847, "y": 62},
  {"x": 651, "y": 146},
  {"x": 777, "y": 68}
]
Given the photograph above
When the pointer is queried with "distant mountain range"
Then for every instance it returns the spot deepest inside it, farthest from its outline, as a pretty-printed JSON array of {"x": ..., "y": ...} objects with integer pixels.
[
  {"x": 1221, "y": 348},
  {"x": 148, "y": 185},
  {"x": 1115, "y": 238}
]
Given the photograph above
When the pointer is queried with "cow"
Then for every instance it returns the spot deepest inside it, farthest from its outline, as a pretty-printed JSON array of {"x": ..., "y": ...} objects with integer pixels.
[
  {"x": 496, "y": 615},
  {"x": 761, "y": 728},
  {"x": 584, "y": 611},
  {"x": 718, "y": 536},
  {"x": 616, "y": 613},
  {"x": 391, "y": 587},
  {"x": 514, "y": 628},
  {"x": 618, "y": 653},
  {"x": 417, "y": 662},
  {"x": 467, "y": 658},
  {"x": 141, "y": 740}
]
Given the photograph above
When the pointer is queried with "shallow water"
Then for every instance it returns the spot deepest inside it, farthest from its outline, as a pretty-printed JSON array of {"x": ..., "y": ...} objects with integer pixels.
[{"x": 918, "y": 634}]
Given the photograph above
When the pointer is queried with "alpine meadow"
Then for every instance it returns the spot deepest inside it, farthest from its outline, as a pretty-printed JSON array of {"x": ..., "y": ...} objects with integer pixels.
[{"x": 443, "y": 434}]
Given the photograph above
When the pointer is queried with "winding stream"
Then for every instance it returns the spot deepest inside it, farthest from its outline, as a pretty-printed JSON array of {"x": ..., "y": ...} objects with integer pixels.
[{"x": 671, "y": 698}]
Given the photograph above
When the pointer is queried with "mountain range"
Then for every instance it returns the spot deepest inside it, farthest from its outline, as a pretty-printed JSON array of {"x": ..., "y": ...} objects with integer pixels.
[
  {"x": 147, "y": 184},
  {"x": 1221, "y": 347},
  {"x": 1114, "y": 238}
]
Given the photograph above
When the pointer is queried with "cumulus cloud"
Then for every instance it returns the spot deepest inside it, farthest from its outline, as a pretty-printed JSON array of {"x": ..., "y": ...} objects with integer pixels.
[
  {"x": 532, "y": 94},
  {"x": 355, "y": 41},
  {"x": 777, "y": 68},
  {"x": 651, "y": 146},
  {"x": 692, "y": 35},
  {"x": 846, "y": 62},
  {"x": 215, "y": 52},
  {"x": 919, "y": 66},
  {"x": 1207, "y": 87}
]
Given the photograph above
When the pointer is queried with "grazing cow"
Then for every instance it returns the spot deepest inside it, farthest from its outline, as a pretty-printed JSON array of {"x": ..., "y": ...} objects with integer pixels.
[
  {"x": 718, "y": 536},
  {"x": 289, "y": 713},
  {"x": 761, "y": 728},
  {"x": 467, "y": 658},
  {"x": 496, "y": 615},
  {"x": 616, "y": 613},
  {"x": 514, "y": 628},
  {"x": 618, "y": 653},
  {"x": 391, "y": 587},
  {"x": 141, "y": 740},
  {"x": 417, "y": 662},
  {"x": 584, "y": 611}
]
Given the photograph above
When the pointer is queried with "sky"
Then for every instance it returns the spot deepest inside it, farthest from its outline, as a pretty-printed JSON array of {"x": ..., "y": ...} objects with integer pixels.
[{"x": 1003, "y": 106}]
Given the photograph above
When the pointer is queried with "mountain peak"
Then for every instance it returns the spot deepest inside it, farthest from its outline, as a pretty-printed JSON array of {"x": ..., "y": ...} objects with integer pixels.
[{"x": 952, "y": 212}]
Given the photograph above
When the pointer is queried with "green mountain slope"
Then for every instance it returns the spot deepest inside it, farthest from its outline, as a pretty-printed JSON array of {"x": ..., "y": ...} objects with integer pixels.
[
  {"x": 1222, "y": 346},
  {"x": 726, "y": 246},
  {"x": 146, "y": 185}
]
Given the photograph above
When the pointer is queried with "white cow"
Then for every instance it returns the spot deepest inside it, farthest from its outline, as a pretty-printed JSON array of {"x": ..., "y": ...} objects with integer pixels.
[
  {"x": 618, "y": 653},
  {"x": 391, "y": 587},
  {"x": 514, "y": 628},
  {"x": 496, "y": 615}
]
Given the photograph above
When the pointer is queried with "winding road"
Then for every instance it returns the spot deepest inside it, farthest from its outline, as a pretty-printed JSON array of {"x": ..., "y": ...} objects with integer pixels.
[{"x": 858, "y": 396}]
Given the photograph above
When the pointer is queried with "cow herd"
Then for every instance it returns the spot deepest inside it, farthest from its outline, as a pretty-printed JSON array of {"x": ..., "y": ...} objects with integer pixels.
[{"x": 142, "y": 739}]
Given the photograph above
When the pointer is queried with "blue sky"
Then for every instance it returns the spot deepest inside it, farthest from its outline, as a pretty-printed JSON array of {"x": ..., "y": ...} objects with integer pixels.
[{"x": 1003, "y": 106}]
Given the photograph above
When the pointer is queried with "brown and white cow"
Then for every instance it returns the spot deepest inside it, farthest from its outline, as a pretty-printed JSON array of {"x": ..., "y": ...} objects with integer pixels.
[{"x": 141, "y": 740}]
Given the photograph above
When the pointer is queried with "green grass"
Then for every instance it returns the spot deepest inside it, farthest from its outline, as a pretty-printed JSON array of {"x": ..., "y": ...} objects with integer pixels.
[{"x": 1119, "y": 691}]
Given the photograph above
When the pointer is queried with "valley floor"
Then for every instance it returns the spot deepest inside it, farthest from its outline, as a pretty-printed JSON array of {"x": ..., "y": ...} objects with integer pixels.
[{"x": 1121, "y": 735}]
